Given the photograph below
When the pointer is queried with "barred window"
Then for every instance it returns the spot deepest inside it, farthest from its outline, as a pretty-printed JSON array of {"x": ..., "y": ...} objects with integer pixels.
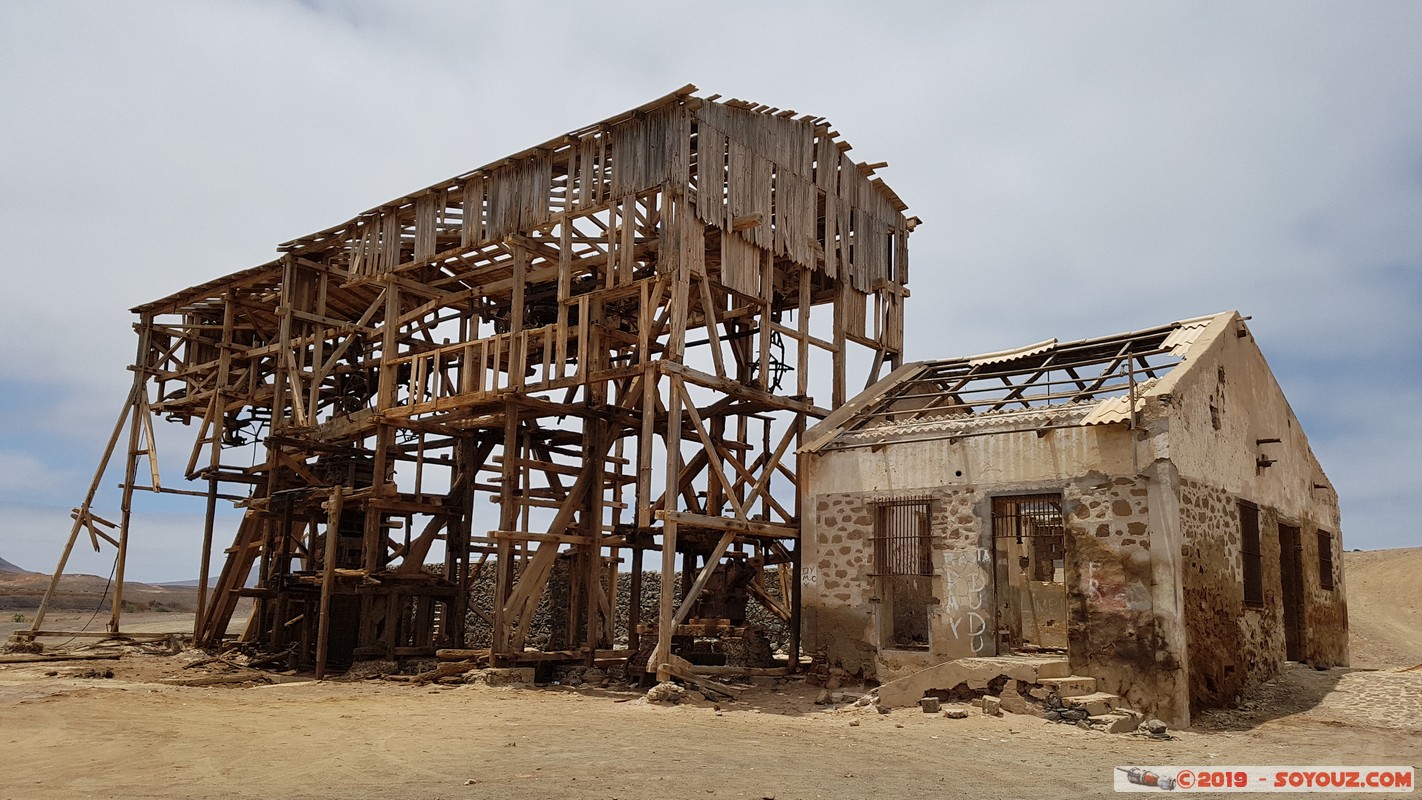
[
  {"x": 902, "y": 542},
  {"x": 1325, "y": 560},
  {"x": 1249, "y": 549}
]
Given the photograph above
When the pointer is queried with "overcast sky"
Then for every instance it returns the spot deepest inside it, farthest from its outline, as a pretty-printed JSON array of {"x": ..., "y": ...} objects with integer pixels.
[{"x": 1081, "y": 169}]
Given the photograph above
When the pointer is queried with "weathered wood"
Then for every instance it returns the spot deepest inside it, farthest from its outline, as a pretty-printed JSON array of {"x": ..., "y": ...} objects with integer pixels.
[
  {"x": 541, "y": 305},
  {"x": 334, "y": 506}
]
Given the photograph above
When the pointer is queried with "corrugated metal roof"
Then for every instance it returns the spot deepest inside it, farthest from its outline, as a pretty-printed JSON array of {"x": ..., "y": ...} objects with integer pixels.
[
  {"x": 1047, "y": 384},
  {"x": 1003, "y": 356}
]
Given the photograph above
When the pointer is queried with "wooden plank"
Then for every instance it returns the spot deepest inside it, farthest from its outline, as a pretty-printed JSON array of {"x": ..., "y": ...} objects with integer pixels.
[
  {"x": 328, "y": 579},
  {"x": 752, "y": 528}
]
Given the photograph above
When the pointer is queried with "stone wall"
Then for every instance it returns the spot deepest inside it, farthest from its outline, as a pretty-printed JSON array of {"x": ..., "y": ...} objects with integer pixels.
[
  {"x": 1233, "y": 645},
  {"x": 841, "y": 594},
  {"x": 1123, "y": 629},
  {"x": 1122, "y": 625}
]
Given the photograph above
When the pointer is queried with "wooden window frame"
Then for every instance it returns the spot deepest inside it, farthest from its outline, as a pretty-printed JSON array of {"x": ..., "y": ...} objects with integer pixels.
[
  {"x": 1325, "y": 560},
  {"x": 1252, "y": 554}
]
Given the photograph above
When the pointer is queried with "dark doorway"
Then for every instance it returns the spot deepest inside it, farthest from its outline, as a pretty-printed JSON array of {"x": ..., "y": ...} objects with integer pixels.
[
  {"x": 1291, "y": 588},
  {"x": 903, "y": 562},
  {"x": 1029, "y": 554}
]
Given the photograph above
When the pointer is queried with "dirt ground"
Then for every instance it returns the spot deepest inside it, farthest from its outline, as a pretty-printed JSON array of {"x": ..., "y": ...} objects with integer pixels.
[{"x": 68, "y": 732}]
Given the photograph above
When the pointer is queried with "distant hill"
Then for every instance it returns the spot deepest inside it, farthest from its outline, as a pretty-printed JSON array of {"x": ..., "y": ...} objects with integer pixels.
[
  {"x": 1384, "y": 608},
  {"x": 6, "y": 566},
  {"x": 21, "y": 589}
]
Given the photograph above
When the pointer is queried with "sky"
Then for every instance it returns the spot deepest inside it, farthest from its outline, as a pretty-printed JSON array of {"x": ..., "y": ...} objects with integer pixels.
[{"x": 1081, "y": 168}]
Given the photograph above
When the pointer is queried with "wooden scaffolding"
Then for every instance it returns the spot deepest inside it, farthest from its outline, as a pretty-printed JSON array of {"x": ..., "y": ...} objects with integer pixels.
[{"x": 598, "y": 348}]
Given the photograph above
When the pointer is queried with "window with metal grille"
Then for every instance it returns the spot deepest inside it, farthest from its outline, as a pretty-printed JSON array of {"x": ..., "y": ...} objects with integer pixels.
[
  {"x": 902, "y": 543},
  {"x": 1249, "y": 549},
  {"x": 1027, "y": 516},
  {"x": 1325, "y": 559}
]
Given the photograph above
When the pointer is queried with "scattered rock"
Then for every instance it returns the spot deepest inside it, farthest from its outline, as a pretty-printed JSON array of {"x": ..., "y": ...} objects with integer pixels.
[
  {"x": 1119, "y": 721},
  {"x": 882, "y": 709},
  {"x": 501, "y": 676},
  {"x": 929, "y": 705},
  {"x": 854, "y": 723},
  {"x": 992, "y": 705},
  {"x": 1155, "y": 727},
  {"x": 824, "y": 698},
  {"x": 665, "y": 692},
  {"x": 21, "y": 646},
  {"x": 956, "y": 713}
]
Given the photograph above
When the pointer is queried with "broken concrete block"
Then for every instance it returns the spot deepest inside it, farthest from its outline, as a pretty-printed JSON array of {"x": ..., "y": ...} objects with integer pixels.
[
  {"x": 992, "y": 706},
  {"x": 1070, "y": 686},
  {"x": 929, "y": 705},
  {"x": 1120, "y": 721},
  {"x": 1096, "y": 703}
]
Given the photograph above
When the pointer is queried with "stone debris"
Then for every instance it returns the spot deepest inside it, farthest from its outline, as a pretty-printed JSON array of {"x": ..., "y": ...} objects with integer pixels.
[
  {"x": 992, "y": 706},
  {"x": 956, "y": 713},
  {"x": 929, "y": 705},
  {"x": 666, "y": 692},
  {"x": 364, "y": 670},
  {"x": 1154, "y": 727},
  {"x": 501, "y": 676},
  {"x": 1122, "y": 720}
]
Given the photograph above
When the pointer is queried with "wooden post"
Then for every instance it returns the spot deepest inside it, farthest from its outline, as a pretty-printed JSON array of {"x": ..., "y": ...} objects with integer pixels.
[
  {"x": 136, "y": 425},
  {"x": 328, "y": 579},
  {"x": 203, "y": 567},
  {"x": 673, "y": 477}
]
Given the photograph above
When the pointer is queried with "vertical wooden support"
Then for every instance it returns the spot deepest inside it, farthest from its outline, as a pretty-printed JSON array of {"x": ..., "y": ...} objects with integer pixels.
[
  {"x": 136, "y": 425},
  {"x": 841, "y": 320},
  {"x": 673, "y": 480},
  {"x": 328, "y": 579},
  {"x": 644, "y": 444},
  {"x": 204, "y": 567},
  {"x": 508, "y": 516},
  {"x": 666, "y": 611},
  {"x": 634, "y": 606}
]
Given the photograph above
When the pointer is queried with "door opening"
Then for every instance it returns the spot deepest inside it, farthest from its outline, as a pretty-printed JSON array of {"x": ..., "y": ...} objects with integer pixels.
[
  {"x": 1291, "y": 589},
  {"x": 1029, "y": 559}
]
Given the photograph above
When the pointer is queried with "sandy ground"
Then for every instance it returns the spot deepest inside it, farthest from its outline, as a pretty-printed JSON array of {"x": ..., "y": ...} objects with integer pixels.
[
  {"x": 67, "y": 734},
  {"x": 1384, "y": 607}
]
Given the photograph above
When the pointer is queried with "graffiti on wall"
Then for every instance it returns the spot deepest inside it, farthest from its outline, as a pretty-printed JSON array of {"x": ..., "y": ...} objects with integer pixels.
[{"x": 965, "y": 579}]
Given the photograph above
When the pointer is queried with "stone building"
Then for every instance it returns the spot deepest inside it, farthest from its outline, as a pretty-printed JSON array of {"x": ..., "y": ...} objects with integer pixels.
[{"x": 1143, "y": 506}]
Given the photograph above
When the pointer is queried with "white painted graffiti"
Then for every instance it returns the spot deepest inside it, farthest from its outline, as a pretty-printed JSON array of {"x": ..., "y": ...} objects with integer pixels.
[{"x": 965, "y": 589}]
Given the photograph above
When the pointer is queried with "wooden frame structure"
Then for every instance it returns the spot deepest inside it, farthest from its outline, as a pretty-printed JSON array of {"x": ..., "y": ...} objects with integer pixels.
[{"x": 596, "y": 348}]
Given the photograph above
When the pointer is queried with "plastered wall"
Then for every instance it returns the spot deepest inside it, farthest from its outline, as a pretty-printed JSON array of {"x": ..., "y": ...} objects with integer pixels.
[
  {"x": 1219, "y": 418},
  {"x": 1121, "y": 598}
]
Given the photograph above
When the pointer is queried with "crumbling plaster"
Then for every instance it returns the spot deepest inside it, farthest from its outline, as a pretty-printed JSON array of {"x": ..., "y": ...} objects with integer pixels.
[
  {"x": 1218, "y": 416},
  {"x": 1124, "y": 621}
]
